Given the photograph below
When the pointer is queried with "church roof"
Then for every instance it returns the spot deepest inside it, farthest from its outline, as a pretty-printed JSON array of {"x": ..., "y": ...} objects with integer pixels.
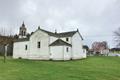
[
  {"x": 49, "y": 33},
  {"x": 63, "y": 34},
  {"x": 22, "y": 39},
  {"x": 23, "y": 25},
  {"x": 60, "y": 42},
  {"x": 66, "y": 34},
  {"x": 58, "y": 35}
]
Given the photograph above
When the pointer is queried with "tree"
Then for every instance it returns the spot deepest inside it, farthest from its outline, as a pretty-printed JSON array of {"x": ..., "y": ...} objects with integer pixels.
[
  {"x": 117, "y": 37},
  {"x": 97, "y": 47},
  {"x": 5, "y": 39},
  {"x": 6, "y": 31}
]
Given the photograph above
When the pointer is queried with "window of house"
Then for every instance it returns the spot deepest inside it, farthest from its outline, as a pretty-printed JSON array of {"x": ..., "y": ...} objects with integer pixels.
[
  {"x": 24, "y": 33},
  {"x": 67, "y": 49},
  {"x": 38, "y": 45},
  {"x": 21, "y": 32},
  {"x": 67, "y": 39},
  {"x": 26, "y": 47}
]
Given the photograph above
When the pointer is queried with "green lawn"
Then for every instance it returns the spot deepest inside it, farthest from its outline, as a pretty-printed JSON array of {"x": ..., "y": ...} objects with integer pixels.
[{"x": 92, "y": 68}]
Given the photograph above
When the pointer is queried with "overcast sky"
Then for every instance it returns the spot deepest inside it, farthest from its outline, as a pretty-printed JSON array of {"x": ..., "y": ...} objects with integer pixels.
[{"x": 95, "y": 19}]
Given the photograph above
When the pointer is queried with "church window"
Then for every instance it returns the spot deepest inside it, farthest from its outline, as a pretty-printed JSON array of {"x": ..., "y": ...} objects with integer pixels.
[
  {"x": 26, "y": 47},
  {"x": 67, "y": 49},
  {"x": 67, "y": 39},
  {"x": 38, "y": 44},
  {"x": 24, "y": 34}
]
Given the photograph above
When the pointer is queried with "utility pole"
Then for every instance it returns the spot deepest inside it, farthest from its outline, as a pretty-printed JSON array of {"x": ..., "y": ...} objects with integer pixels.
[{"x": 5, "y": 54}]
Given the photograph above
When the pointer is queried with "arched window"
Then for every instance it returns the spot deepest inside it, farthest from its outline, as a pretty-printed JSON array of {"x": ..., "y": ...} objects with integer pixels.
[
  {"x": 67, "y": 49},
  {"x": 67, "y": 39},
  {"x": 39, "y": 44},
  {"x": 24, "y": 33},
  {"x": 26, "y": 47}
]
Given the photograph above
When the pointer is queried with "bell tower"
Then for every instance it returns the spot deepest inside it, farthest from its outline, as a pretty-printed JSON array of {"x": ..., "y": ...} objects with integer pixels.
[{"x": 22, "y": 31}]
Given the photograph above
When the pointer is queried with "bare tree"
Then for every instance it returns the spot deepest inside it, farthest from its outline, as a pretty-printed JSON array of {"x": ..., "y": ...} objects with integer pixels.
[
  {"x": 6, "y": 31},
  {"x": 2, "y": 31},
  {"x": 117, "y": 37},
  {"x": 5, "y": 39}
]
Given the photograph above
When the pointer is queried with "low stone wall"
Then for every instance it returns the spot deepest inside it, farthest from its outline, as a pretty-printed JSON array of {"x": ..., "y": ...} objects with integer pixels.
[
  {"x": 114, "y": 54},
  {"x": 9, "y": 50}
]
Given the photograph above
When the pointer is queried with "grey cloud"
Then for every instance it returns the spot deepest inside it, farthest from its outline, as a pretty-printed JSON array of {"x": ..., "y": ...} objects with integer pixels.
[{"x": 92, "y": 17}]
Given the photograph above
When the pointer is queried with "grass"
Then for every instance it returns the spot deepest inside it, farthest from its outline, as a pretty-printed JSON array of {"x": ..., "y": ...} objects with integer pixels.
[{"x": 92, "y": 68}]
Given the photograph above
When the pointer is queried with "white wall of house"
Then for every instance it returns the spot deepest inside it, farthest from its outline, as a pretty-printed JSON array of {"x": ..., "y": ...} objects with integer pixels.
[
  {"x": 67, "y": 54},
  {"x": 19, "y": 49},
  {"x": 43, "y": 51},
  {"x": 52, "y": 39},
  {"x": 77, "y": 51},
  {"x": 60, "y": 52},
  {"x": 69, "y": 39},
  {"x": 57, "y": 52}
]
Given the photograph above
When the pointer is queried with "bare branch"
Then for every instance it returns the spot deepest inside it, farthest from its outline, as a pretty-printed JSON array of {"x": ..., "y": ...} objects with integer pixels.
[{"x": 117, "y": 37}]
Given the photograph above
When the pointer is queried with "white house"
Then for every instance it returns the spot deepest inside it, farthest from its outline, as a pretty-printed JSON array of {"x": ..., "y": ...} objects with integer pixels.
[{"x": 46, "y": 45}]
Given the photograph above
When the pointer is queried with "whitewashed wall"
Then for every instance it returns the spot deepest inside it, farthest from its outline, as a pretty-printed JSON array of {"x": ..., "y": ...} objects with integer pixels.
[
  {"x": 67, "y": 55},
  {"x": 52, "y": 39},
  {"x": 39, "y": 53},
  {"x": 57, "y": 52},
  {"x": 64, "y": 39},
  {"x": 45, "y": 52},
  {"x": 19, "y": 49},
  {"x": 60, "y": 53},
  {"x": 77, "y": 51},
  {"x": 84, "y": 55}
]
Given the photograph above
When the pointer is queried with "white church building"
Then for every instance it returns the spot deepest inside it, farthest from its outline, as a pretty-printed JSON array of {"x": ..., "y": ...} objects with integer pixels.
[{"x": 46, "y": 45}]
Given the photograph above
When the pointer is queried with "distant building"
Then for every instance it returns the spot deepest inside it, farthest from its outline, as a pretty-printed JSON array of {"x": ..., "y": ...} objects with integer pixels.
[
  {"x": 115, "y": 50},
  {"x": 100, "y": 47},
  {"x": 86, "y": 49}
]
